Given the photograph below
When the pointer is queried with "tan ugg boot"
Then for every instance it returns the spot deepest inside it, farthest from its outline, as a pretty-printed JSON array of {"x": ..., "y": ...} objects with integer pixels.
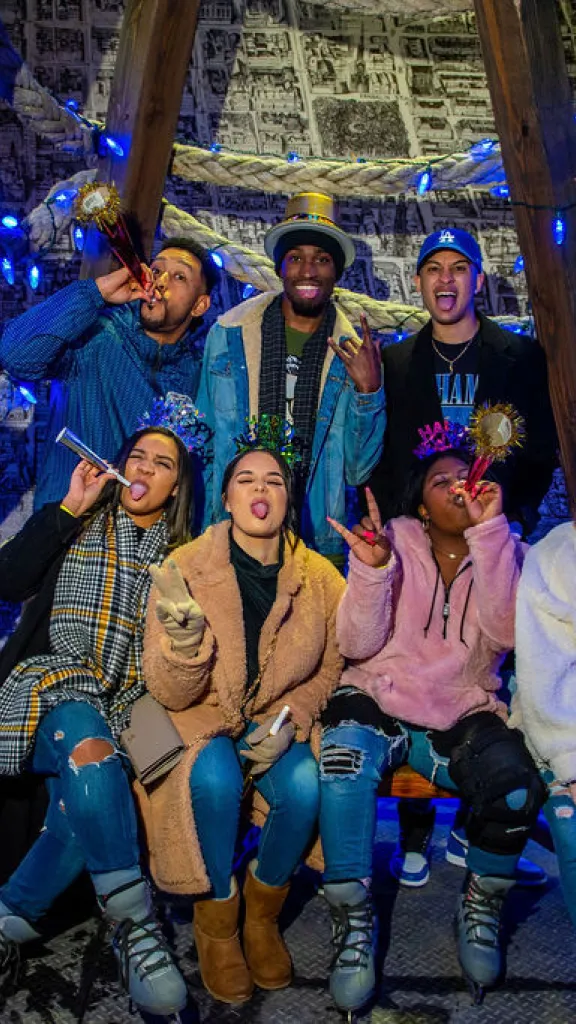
[
  {"x": 265, "y": 950},
  {"x": 222, "y": 964}
]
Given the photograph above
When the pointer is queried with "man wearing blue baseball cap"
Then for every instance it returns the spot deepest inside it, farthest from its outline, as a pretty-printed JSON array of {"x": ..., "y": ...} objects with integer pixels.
[{"x": 459, "y": 360}]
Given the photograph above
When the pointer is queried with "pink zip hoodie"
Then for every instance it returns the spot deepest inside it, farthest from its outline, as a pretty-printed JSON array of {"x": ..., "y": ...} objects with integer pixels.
[{"x": 426, "y": 653}]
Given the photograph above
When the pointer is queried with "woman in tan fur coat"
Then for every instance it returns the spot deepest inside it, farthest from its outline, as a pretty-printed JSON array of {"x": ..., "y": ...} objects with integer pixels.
[{"x": 240, "y": 623}]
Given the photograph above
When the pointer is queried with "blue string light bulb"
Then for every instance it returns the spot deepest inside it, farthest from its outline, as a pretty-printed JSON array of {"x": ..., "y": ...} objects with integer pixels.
[
  {"x": 483, "y": 148},
  {"x": 78, "y": 237},
  {"x": 9, "y": 221},
  {"x": 27, "y": 394},
  {"x": 216, "y": 258},
  {"x": 519, "y": 264},
  {"x": 424, "y": 181},
  {"x": 559, "y": 228},
  {"x": 7, "y": 268},
  {"x": 33, "y": 276},
  {"x": 64, "y": 197}
]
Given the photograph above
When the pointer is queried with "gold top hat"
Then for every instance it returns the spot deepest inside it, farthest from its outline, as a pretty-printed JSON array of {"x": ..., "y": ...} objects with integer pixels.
[{"x": 313, "y": 210}]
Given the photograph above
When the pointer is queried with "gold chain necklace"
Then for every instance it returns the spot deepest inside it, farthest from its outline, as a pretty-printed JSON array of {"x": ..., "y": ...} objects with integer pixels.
[
  {"x": 456, "y": 358},
  {"x": 448, "y": 554}
]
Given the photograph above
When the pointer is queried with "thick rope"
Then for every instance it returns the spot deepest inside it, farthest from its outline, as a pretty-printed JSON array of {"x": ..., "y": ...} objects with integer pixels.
[
  {"x": 337, "y": 177},
  {"x": 48, "y": 221},
  {"x": 404, "y": 7},
  {"x": 252, "y": 268},
  {"x": 53, "y": 121},
  {"x": 46, "y": 116},
  {"x": 242, "y": 263}
]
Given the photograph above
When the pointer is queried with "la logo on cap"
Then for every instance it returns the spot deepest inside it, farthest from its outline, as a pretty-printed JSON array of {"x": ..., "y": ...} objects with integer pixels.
[{"x": 446, "y": 237}]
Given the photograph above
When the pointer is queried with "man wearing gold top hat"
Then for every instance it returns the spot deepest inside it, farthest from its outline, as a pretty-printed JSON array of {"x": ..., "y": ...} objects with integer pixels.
[{"x": 295, "y": 354}]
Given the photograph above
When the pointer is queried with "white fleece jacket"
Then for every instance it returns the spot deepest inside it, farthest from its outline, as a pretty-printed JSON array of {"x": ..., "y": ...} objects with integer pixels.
[{"x": 544, "y": 706}]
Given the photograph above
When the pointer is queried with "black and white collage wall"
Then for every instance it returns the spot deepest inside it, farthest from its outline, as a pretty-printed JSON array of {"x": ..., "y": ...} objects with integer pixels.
[{"x": 267, "y": 77}]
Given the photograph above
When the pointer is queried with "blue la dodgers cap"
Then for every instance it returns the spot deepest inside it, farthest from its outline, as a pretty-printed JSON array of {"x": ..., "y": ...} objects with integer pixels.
[{"x": 451, "y": 238}]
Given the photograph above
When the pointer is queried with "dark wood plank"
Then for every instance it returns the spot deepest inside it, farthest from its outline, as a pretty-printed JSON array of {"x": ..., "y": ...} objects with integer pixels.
[
  {"x": 405, "y": 782},
  {"x": 153, "y": 57},
  {"x": 533, "y": 110}
]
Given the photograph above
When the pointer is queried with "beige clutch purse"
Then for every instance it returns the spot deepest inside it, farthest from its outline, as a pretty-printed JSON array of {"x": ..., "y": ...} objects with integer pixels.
[{"x": 152, "y": 741}]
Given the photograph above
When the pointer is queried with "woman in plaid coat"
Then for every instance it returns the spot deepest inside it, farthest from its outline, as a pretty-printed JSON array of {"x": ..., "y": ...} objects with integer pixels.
[{"x": 63, "y": 706}]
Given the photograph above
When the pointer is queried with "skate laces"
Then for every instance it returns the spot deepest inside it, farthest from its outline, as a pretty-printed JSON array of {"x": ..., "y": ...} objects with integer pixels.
[
  {"x": 141, "y": 946},
  {"x": 482, "y": 914},
  {"x": 352, "y": 934}
]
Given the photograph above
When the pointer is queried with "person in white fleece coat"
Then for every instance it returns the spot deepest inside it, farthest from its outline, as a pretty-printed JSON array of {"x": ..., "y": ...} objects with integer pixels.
[{"x": 544, "y": 705}]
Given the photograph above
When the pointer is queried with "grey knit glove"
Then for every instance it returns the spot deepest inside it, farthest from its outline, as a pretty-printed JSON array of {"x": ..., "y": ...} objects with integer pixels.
[{"x": 266, "y": 749}]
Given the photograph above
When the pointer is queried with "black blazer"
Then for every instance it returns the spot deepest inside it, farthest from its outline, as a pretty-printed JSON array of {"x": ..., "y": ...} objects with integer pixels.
[{"x": 512, "y": 368}]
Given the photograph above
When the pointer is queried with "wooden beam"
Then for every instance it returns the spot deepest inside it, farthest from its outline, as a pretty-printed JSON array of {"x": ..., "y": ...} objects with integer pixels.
[
  {"x": 154, "y": 53},
  {"x": 533, "y": 110}
]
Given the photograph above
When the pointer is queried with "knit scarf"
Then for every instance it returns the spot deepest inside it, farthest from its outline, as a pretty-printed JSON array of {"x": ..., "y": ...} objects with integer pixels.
[
  {"x": 97, "y": 628},
  {"x": 272, "y": 387}
]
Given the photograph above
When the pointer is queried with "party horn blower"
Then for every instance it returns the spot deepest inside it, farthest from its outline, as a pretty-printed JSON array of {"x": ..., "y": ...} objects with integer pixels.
[
  {"x": 98, "y": 203},
  {"x": 69, "y": 440},
  {"x": 494, "y": 431},
  {"x": 279, "y": 721}
]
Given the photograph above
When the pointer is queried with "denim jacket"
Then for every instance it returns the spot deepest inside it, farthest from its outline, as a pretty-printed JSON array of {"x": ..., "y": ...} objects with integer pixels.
[
  {"x": 349, "y": 429},
  {"x": 105, "y": 371}
]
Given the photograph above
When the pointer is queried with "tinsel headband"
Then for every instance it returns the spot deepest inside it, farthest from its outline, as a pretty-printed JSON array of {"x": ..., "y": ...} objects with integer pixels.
[
  {"x": 442, "y": 437},
  {"x": 177, "y": 413},
  {"x": 269, "y": 433}
]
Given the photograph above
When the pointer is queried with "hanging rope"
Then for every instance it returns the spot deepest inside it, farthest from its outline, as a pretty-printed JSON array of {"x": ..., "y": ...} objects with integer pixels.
[
  {"x": 403, "y": 7},
  {"x": 336, "y": 177},
  {"x": 252, "y": 268},
  {"x": 46, "y": 116},
  {"x": 47, "y": 222}
]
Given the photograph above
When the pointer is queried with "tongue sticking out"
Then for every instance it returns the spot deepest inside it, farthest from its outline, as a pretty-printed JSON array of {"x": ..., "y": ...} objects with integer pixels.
[
  {"x": 446, "y": 302},
  {"x": 138, "y": 490},
  {"x": 260, "y": 509}
]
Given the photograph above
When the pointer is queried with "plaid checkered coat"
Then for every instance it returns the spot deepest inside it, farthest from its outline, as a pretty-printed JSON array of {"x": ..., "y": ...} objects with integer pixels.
[{"x": 96, "y": 635}]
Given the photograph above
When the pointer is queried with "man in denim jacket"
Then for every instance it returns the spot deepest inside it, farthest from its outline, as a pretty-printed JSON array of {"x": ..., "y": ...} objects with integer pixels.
[{"x": 295, "y": 355}]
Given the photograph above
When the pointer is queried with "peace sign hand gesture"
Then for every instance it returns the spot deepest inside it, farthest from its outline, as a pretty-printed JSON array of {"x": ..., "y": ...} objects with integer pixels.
[
  {"x": 368, "y": 540},
  {"x": 180, "y": 615}
]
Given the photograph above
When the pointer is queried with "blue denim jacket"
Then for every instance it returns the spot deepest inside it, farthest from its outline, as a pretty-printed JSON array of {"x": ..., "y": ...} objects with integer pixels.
[
  {"x": 349, "y": 430},
  {"x": 105, "y": 372}
]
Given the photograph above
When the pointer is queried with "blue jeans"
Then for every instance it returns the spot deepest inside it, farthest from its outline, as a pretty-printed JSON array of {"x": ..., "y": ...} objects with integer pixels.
[
  {"x": 290, "y": 788},
  {"x": 354, "y": 758},
  {"x": 90, "y": 822},
  {"x": 561, "y": 816}
]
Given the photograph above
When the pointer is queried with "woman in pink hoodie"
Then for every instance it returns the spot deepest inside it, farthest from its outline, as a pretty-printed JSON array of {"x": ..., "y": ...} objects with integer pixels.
[{"x": 427, "y": 618}]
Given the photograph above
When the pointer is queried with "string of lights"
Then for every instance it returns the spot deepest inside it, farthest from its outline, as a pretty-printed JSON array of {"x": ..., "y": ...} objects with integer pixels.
[{"x": 421, "y": 176}]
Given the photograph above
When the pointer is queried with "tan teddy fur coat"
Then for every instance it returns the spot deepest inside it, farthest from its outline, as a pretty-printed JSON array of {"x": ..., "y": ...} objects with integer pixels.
[{"x": 204, "y": 694}]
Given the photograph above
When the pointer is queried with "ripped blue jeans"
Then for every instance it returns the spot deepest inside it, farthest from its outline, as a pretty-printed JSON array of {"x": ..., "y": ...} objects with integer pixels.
[
  {"x": 561, "y": 816},
  {"x": 90, "y": 821},
  {"x": 353, "y": 759}
]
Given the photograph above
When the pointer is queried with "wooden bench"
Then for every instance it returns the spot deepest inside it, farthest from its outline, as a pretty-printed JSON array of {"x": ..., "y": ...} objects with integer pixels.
[{"x": 405, "y": 782}]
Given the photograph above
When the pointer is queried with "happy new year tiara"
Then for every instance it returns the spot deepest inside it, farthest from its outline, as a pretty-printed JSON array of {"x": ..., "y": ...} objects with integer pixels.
[
  {"x": 177, "y": 413},
  {"x": 272, "y": 434},
  {"x": 442, "y": 436}
]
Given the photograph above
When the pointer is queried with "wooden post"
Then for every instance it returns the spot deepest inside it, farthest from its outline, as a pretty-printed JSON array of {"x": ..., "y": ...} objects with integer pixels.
[
  {"x": 534, "y": 115},
  {"x": 153, "y": 56}
]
